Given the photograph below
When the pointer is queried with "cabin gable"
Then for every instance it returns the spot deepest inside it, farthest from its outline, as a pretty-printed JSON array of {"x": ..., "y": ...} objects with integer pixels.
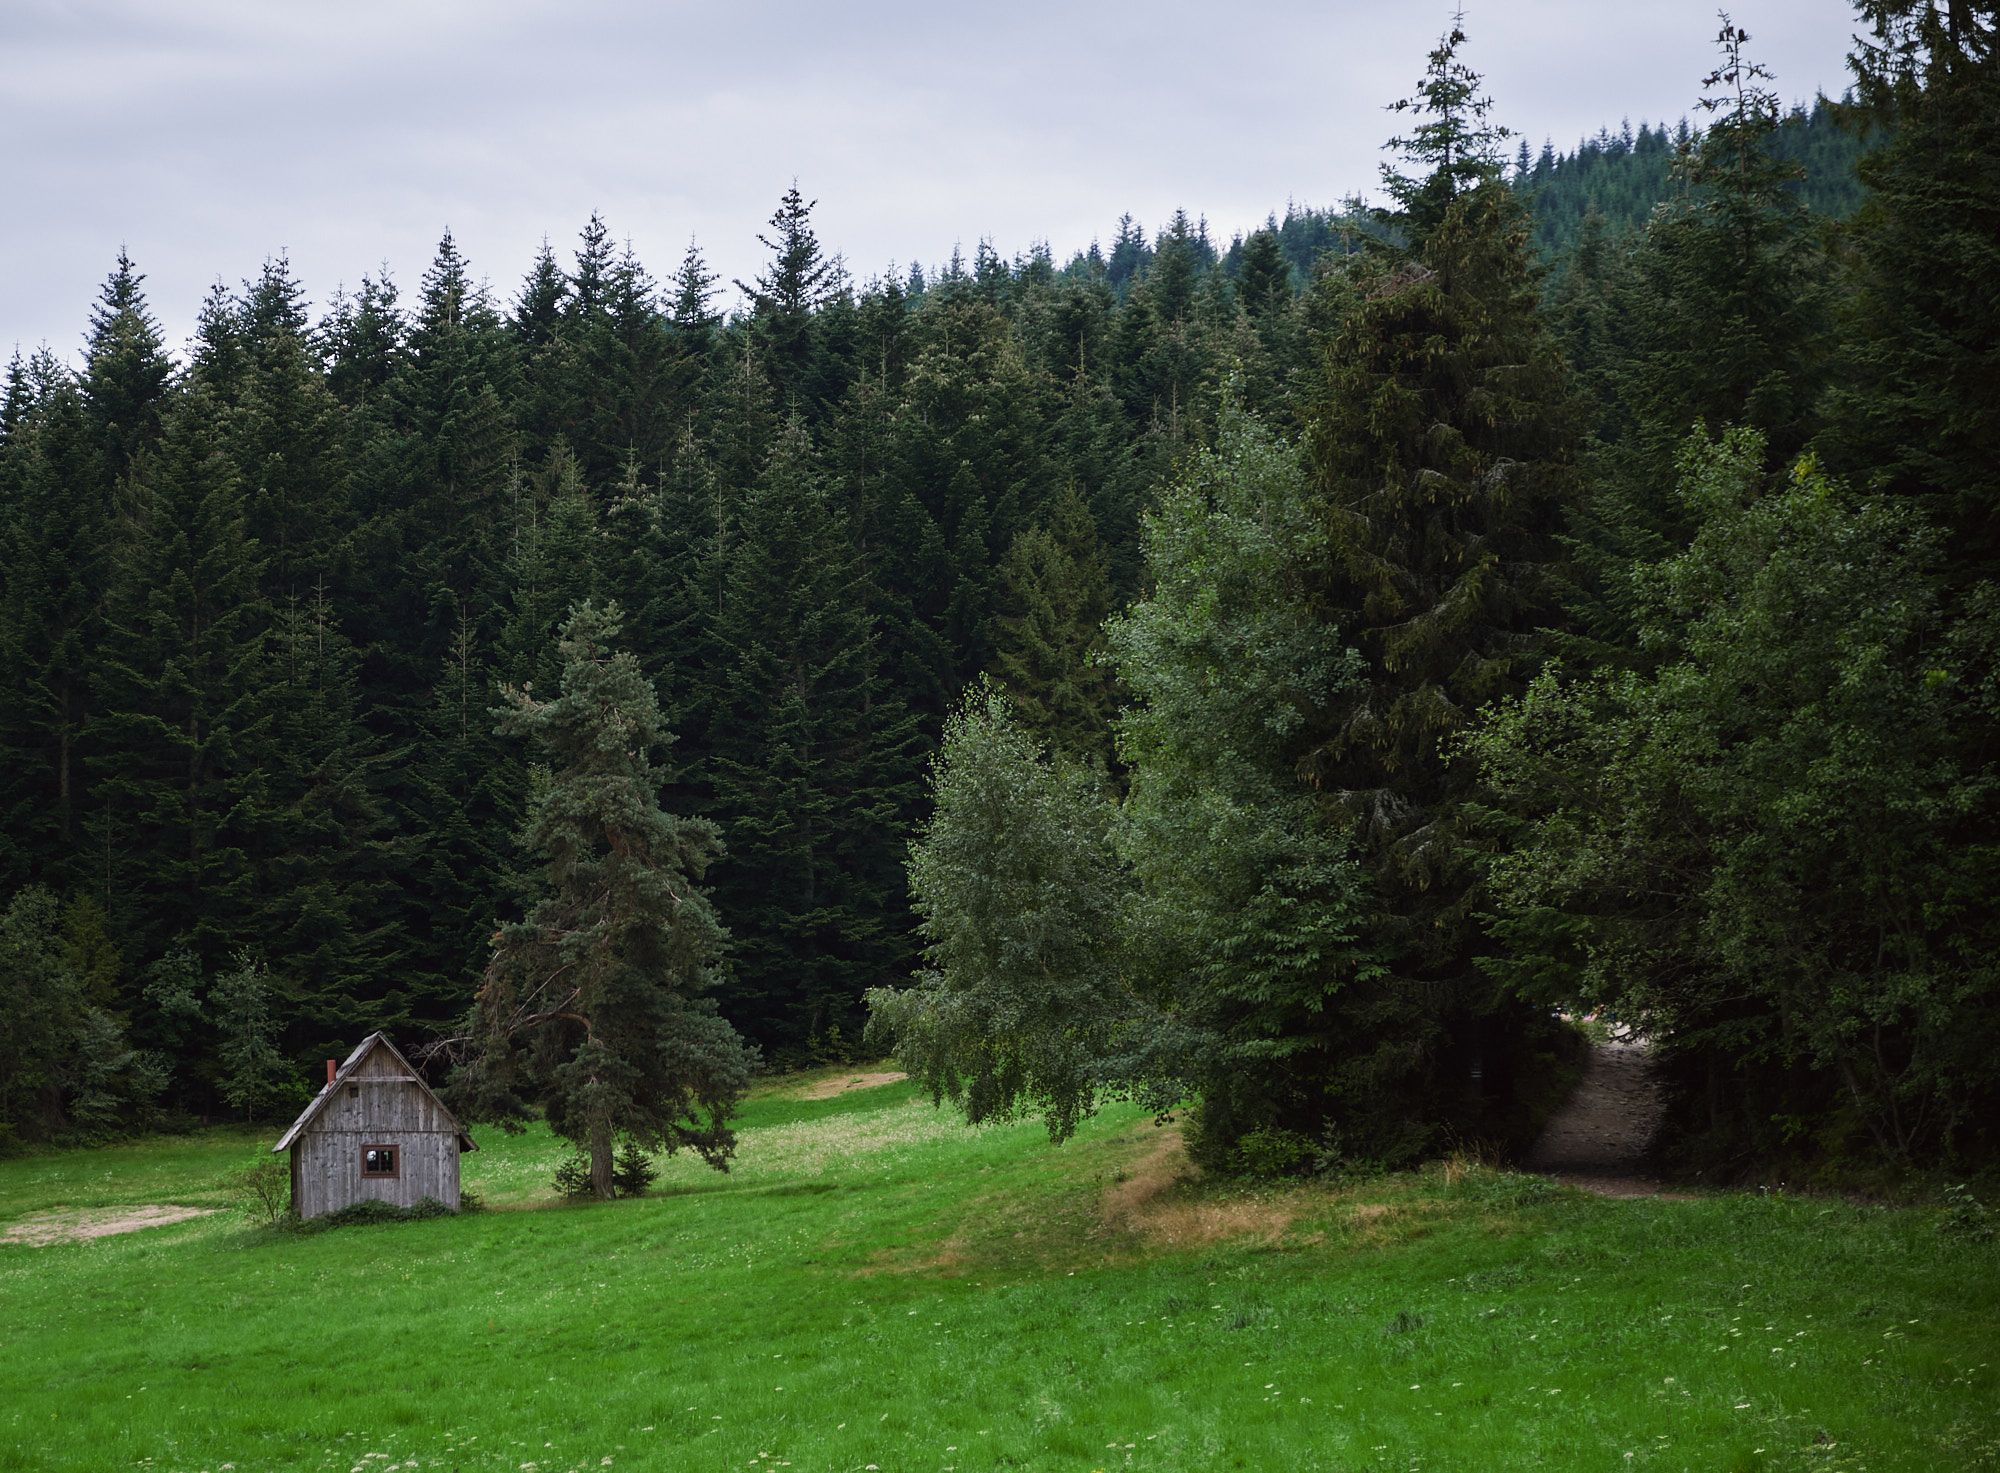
[{"x": 374, "y": 1133}]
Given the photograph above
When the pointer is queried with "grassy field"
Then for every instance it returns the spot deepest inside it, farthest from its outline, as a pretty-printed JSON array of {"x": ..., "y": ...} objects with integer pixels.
[{"x": 875, "y": 1287}]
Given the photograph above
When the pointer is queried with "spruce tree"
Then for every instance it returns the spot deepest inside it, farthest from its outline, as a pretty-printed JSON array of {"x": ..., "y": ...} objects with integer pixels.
[
  {"x": 551, "y": 568},
  {"x": 1440, "y": 445},
  {"x": 328, "y": 858},
  {"x": 54, "y": 546},
  {"x": 359, "y": 342},
  {"x": 126, "y": 369},
  {"x": 1914, "y": 406},
  {"x": 784, "y": 297},
  {"x": 443, "y": 518},
  {"x": 180, "y": 744},
  {"x": 287, "y": 438},
  {"x": 1054, "y": 596},
  {"x": 1726, "y": 309},
  {"x": 595, "y": 1005},
  {"x": 814, "y": 770}
]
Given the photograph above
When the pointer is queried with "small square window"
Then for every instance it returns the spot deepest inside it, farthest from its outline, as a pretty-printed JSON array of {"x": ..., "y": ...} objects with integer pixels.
[
  {"x": 354, "y": 1091},
  {"x": 378, "y": 1161}
]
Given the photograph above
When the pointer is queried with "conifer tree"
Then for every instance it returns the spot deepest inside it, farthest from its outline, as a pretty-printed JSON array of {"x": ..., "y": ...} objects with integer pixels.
[
  {"x": 595, "y": 1003},
  {"x": 1914, "y": 406},
  {"x": 53, "y": 545},
  {"x": 287, "y": 439},
  {"x": 1440, "y": 442},
  {"x": 327, "y": 858},
  {"x": 814, "y": 770},
  {"x": 453, "y": 443},
  {"x": 1054, "y": 596},
  {"x": 252, "y": 1075},
  {"x": 125, "y": 369},
  {"x": 1727, "y": 309},
  {"x": 455, "y": 792},
  {"x": 181, "y": 731},
  {"x": 551, "y": 568},
  {"x": 783, "y": 298},
  {"x": 359, "y": 342},
  {"x": 538, "y": 327}
]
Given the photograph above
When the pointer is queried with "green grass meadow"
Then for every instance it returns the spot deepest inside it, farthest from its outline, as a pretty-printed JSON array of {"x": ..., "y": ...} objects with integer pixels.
[{"x": 876, "y": 1287}]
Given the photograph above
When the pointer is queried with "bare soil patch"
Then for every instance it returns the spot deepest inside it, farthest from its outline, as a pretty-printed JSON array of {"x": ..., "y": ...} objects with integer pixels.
[
  {"x": 1151, "y": 1201},
  {"x": 78, "y": 1226},
  {"x": 840, "y": 1084}
]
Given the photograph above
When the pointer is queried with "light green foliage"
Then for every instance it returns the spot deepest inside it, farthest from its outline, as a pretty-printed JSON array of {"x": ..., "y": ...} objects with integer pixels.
[
  {"x": 1020, "y": 898},
  {"x": 1754, "y": 850},
  {"x": 1250, "y": 900},
  {"x": 261, "y": 1186}
]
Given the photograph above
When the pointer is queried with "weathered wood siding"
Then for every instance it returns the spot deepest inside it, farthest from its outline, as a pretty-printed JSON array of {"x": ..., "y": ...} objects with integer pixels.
[{"x": 377, "y": 1105}]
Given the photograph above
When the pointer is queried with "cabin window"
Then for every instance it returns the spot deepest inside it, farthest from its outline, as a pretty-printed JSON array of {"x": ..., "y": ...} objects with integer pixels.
[
  {"x": 379, "y": 1161},
  {"x": 354, "y": 1091}
]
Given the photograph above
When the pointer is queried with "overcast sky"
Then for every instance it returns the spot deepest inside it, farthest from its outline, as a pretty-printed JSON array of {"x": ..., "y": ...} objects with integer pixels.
[{"x": 206, "y": 136}]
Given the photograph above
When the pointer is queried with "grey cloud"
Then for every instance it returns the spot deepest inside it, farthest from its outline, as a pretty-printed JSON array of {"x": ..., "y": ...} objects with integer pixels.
[{"x": 205, "y": 136}]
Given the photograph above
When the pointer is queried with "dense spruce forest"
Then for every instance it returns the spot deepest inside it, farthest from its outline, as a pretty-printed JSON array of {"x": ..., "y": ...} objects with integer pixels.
[{"x": 1301, "y": 664}]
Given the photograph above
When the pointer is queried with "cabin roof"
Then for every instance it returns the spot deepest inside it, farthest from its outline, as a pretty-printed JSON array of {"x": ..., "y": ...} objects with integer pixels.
[{"x": 331, "y": 1088}]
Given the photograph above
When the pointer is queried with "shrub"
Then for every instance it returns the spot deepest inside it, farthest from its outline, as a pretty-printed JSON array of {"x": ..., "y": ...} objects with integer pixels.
[
  {"x": 1268, "y": 1151},
  {"x": 1965, "y": 1216},
  {"x": 364, "y": 1214},
  {"x": 263, "y": 1188},
  {"x": 633, "y": 1172},
  {"x": 572, "y": 1178}
]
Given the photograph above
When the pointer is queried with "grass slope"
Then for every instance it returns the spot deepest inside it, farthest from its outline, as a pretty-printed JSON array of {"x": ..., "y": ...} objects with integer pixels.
[{"x": 875, "y": 1287}]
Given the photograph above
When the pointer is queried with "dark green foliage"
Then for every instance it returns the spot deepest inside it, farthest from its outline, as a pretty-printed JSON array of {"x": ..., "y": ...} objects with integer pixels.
[
  {"x": 1049, "y": 656},
  {"x": 1765, "y": 851},
  {"x": 369, "y": 1214},
  {"x": 125, "y": 370},
  {"x": 253, "y": 614},
  {"x": 55, "y": 547},
  {"x": 633, "y": 1173},
  {"x": 814, "y": 770},
  {"x": 66, "y": 1069},
  {"x": 1620, "y": 177},
  {"x": 799, "y": 280},
  {"x": 252, "y": 1075},
  {"x": 1915, "y": 408},
  {"x": 1441, "y": 454},
  {"x": 1453, "y": 146},
  {"x": 595, "y": 1004},
  {"x": 181, "y": 741}
]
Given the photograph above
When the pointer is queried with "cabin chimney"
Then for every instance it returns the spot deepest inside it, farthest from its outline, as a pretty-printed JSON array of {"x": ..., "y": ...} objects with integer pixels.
[{"x": 330, "y": 1067}]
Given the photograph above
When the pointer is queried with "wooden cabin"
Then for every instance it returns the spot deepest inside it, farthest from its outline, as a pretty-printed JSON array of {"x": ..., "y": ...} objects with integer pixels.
[{"x": 375, "y": 1133}]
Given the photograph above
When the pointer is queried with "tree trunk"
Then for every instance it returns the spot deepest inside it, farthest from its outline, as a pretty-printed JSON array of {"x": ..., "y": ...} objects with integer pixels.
[{"x": 600, "y": 1158}]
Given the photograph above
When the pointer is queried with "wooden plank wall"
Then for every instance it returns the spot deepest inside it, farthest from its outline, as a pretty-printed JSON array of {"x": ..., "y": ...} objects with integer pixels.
[{"x": 383, "y": 1107}]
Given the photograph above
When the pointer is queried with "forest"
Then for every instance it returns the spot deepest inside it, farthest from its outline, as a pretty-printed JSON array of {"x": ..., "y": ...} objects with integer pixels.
[{"x": 1267, "y": 678}]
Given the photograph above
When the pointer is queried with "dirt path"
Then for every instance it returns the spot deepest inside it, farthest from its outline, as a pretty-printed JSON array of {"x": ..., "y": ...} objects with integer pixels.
[
  {"x": 1597, "y": 1141},
  {"x": 840, "y": 1084}
]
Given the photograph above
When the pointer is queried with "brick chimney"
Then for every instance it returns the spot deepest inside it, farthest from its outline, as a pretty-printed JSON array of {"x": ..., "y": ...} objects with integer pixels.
[{"x": 330, "y": 1068}]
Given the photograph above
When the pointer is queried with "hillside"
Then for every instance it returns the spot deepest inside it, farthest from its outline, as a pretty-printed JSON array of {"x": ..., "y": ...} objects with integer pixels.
[{"x": 875, "y": 1286}]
